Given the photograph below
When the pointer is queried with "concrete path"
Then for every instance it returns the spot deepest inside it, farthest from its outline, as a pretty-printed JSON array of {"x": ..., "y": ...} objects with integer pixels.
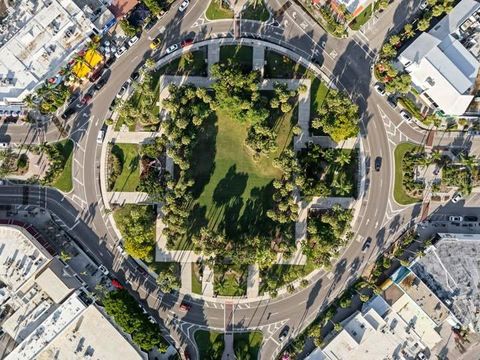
[
  {"x": 133, "y": 137},
  {"x": 259, "y": 59},
  {"x": 253, "y": 281},
  {"x": 228, "y": 353},
  {"x": 123, "y": 198},
  {"x": 186, "y": 277},
  {"x": 327, "y": 142},
  {"x": 207, "y": 281},
  {"x": 213, "y": 55}
]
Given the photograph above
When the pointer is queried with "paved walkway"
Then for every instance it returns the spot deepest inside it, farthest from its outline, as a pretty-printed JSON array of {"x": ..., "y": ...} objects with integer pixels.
[
  {"x": 207, "y": 281},
  {"x": 186, "y": 277},
  {"x": 326, "y": 141},
  {"x": 213, "y": 55},
  {"x": 123, "y": 198},
  {"x": 133, "y": 137},
  {"x": 228, "y": 353},
  {"x": 253, "y": 281},
  {"x": 259, "y": 59}
]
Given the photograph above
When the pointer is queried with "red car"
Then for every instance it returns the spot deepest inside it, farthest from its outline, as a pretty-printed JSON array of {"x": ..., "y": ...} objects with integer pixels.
[
  {"x": 86, "y": 99},
  {"x": 116, "y": 284},
  {"x": 186, "y": 42},
  {"x": 185, "y": 307}
]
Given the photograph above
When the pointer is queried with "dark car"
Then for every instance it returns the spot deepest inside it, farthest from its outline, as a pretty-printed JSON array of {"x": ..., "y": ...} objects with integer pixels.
[
  {"x": 470, "y": 218},
  {"x": 112, "y": 105},
  {"x": 73, "y": 98},
  {"x": 110, "y": 62},
  {"x": 186, "y": 42},
  {"x": 366, "y": 244},
  {"x": 283, "y": 333},
  {"x": 96, "y": 75},
  {"x": 378, "y": 163},
  {"x": 68, "y": 113},
  {"x": 392, "y": 102},
  {"x": 185, "y": 307},
  {"x": 100, "y": 83},
  {"x": 135, "y": 76}
]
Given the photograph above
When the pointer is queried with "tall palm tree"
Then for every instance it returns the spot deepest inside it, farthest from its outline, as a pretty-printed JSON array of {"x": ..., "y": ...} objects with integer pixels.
[
  {"x": 436, "y": 156},
  {"x": 342, "y": 185},
  {"x": 468, "y": 161},
  {"x": 343, "y": 158}
]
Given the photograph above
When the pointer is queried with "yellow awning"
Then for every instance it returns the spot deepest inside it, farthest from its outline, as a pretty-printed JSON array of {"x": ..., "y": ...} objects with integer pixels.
[
  {"x": 92, "y": 57},
  {"x": 80, "y": 69}
]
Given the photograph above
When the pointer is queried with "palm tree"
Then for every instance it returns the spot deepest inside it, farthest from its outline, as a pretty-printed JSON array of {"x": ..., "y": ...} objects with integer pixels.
[
  {"x": 343, "y": 158},
  {"x": 436, "y": 156},
  {"x": 468, "y": 161},
  {"x": 342, "y": 185}
]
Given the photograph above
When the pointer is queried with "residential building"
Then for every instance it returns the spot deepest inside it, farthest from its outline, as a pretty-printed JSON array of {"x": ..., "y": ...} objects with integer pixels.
[
  {"x": 120, "y": 8},
  {"x": 443, "y": 62},
  {"x": 45, "y": 310},
  {"x": 39, "y": 36},
  {"x": 450, "y": 268},
  {"x": 404, "y": 322}
]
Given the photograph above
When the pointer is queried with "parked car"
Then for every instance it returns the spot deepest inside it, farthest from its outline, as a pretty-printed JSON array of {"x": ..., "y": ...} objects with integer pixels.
[
  {"x": 122, "y": 90},
  {"x": 183, "y": 5},
  {"x": 380, "y": 89},
  {"x": 110, "y": 62},
  {"x": 470, "y": 218},
  {"x": 135, "y": 76},
  {"x": 100, "y": 83},
  {"x": 186, "y": 42},
  {"x": 121, "y": 251},
  {"x": 378, "y": 163},
  {"x": 120, "y": 51},
  {"x": 155, "y": 43},
  {"x": 100, "y": 136},
  {"x": 74, "y": 97},
  {"x": 103, "y": 270},
  {"x": 133, "y": 41},
  {"x": 283, "y": 333},
  {"x": 172, "y": 48},
  {"x": 423, "y": 5},
  {"x": 366, "y": 244},
  {"x": 392, "y": 102},
  {"x": 456, "y": 198},
  {"x": 116, "y": 284},
  {"x": 86, "y": 99},
  {"x": 112, "y": 104},
  {"x": 185, "y": 307},
  {"x": 67, "y": 114},
  {"x": 455, "y": 218},
  {"x": 405, "y": 115}
]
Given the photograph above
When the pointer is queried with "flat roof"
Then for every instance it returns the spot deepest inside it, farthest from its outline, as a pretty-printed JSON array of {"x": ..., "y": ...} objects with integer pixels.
[
  {"x": 57, "y": 281},
  {"x": 91, "y": 334}
]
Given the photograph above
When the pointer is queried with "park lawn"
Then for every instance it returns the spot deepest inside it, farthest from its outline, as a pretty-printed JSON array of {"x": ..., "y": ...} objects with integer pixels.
[
  {"x": 64, "y": 181},
  {"x": 399, "y": 193},
  {"x": 247, "y": 342},
  {"x": 129, "y": 178},
  {"x": 231, "y": 281},
  {"x": 284, "y": 274},
  {"x": 362, "y": 18},
  {"x": 181, "y": 67},
  {"x": 279, "y": 66},
  {"x": 196, "y": 282},
  {"x": 241, "y": 55},
  {"x": 350, "y": 170},
  {"x": 318, "y": 93},
  {"x": 215, "y": 12},
  {"x": 157, "y": 267},
  {"x": 210, "y": 344},
  {"x": 258, "y": 12}
]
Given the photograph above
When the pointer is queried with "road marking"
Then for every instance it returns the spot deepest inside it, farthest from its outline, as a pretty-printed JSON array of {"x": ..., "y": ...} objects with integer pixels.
[
  {"x": 368, "y": 220},
  {"x": 376, "y": 225}
]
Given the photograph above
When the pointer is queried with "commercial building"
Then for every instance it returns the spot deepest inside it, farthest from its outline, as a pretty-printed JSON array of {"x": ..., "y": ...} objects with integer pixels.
[
  {"x": 39, "y": 36},
  {"x": 443, "y": 62},
  {"x": 45, "y": 310},
  {"x": 450, "y": 268},
  {"x": 405, "y": 322}
]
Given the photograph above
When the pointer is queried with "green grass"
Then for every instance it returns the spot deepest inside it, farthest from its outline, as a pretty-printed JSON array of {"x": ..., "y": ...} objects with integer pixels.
[
  {"x": 241, "y": 55},
  {"x": 362, "y": 18},
  {"x": 232, "y": 192},
  {"x": 399, "y": 193},
  {"x": 250, "y": 343},
  {"x": 64, "y": 182},
  {"x": 180, "y": 66},
  {"x": 129, "y": 178},
  {"x": 259, "y": 13},
  {"x": 158, "y": 267},
  {"x": 318, "y": 93},
  {"x": 282, "y": 67},
  {"x": 282, "y": 275},
  {"x": 231, "y": 281},
  {"x": 215, "y": 12},
  {"x": 210, "y": 344},
  {"x": 410, "y": 106},
  {"x": 196, "y": 283}
]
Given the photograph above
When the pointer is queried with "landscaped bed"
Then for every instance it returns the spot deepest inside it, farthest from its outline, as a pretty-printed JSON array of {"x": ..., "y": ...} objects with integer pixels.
[
  {"x": 399, "y": 192},
  {"x": 210, "y": 344},
  {"x": 64, "y": 181},
  {"x": 241, "y": 55},
  {"x": 278, "y": 275},
  {"x": 279, "y": 66},
  {"x": 191, "y": 64},
  {"x": 196, "y": 282},
  {"x": 256, "y": 11},
  {"x": 129, "y": 159},
  {"x": 362, "y": 18},
  {"x": 246, "y": 345},
  {"x": 216, "y": 12},
  {"x": 230, "y": 280}
]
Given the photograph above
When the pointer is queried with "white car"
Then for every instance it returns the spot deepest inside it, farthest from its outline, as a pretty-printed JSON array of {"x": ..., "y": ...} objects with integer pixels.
[
  {"x": 423, "y": 5},
  {"x": 122, "y": 90},
  {"x": 456, "y": 198},
  {"x": 100, "y": 137},
  {"x": 133, "y": 40},
  {"x": 380, "y": 89},
  {"x": 172, "y": 48},
  {"x": 121, "y": 251},
  {"x": 103, "y": 270},
  {"x": 120, "y": 51},
  {"x": 455, "y": 218},
  {"x": 406, "y": 115},
  {"x": 183, "y": 5}
]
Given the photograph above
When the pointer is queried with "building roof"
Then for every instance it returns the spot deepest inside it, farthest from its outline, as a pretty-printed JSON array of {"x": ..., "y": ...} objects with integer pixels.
[
  {"x": 120, "y": 8},
  {"x": 441, "y": 65},
  {"x": 451, "y": 270},
  {"x": 57, "y": 281}
]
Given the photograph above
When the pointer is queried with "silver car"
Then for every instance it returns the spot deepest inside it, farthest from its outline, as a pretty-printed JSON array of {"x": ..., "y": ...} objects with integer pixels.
[
  {"x": 172, "y": 48},
  {"x": 183, "y": 5}
]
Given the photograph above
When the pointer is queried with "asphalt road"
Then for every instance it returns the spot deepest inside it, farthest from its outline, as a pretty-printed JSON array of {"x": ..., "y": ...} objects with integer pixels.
[{"x": 348, "y": 61}]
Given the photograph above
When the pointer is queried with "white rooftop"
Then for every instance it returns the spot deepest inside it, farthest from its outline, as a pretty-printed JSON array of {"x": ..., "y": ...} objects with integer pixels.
[
  {"x": 20, "y": 256},
  {"x": 441, "y": 65}
]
